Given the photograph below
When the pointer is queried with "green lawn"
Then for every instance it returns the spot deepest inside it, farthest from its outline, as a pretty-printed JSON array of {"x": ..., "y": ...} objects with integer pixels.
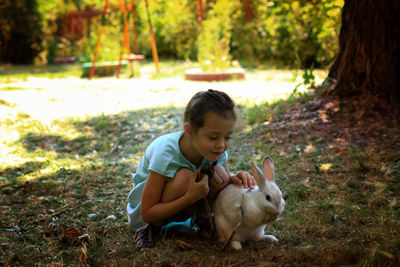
[{"x": 68, "y": 146}]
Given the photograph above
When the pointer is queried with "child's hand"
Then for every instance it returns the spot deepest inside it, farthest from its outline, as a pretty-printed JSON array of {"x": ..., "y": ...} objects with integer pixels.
[
  {"x": 245, "y": 179},
  {"x": 198, "y": 190}
]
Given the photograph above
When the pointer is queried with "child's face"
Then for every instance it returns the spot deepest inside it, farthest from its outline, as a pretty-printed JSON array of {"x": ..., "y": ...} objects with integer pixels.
[{"x": 213, "y": 138}]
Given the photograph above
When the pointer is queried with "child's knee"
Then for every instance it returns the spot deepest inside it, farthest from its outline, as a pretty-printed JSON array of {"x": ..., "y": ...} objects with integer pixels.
[{"x": 177, "y": 186}]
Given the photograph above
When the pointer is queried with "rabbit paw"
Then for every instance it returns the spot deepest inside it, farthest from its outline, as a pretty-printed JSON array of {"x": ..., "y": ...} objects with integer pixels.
[{"x": 236, "y": 245}]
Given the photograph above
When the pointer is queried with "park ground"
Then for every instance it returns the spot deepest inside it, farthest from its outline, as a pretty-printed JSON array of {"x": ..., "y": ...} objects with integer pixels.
[{"x": 68, "y": 146}]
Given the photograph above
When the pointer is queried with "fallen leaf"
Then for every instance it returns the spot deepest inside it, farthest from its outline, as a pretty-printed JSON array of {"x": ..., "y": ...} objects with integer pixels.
[
  {"x": 340, "y": 150},
  {"x": 305, "y": 182},
  {"x": 5, "y": 246},
  {"x": 386, "y": 254},
  {"x": 323, "y": 116},
  {"x": 325, "y": 167},
  {"x": 72, "y": 232},
  {"x": 184, "y": 245},
  {"x": 195, "y": 260},
  {"x": 309, "y": 149}
]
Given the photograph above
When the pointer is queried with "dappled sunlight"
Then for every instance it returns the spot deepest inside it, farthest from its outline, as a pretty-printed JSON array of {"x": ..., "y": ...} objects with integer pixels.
[
  {"x": 25, "y": 139},
  {"x": 48, "y": 99},
  {"x": 67, "y": 152},
  {"x": 8, "y": 159},
  {"x": 44, "y": 172},
  {"x": 34, "y": 149}
]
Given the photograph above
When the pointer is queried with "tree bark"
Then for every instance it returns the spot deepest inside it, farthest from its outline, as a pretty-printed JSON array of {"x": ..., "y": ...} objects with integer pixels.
[{"x": 368, "y": 62}]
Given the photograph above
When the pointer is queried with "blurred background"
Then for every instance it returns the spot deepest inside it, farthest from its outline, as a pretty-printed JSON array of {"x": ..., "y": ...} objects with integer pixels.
[{"x": 252, "y": 33}]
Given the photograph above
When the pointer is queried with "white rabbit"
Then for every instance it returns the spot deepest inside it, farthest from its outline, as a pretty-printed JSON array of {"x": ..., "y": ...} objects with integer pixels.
[{"x": 241, "y": 214}]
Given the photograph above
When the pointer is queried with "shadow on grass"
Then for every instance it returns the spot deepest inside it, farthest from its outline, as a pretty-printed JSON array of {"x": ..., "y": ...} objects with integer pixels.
[
  {"x": 57, "y": 143},
  {"x": 106, "y": 147},
  {"x": 81, "y": 185},
  {"x": 52, "y": 68},
  {"x": 107, "y": 135},
  {"x": 12, "y": 173},
  {"x": 342, "y": 195}
]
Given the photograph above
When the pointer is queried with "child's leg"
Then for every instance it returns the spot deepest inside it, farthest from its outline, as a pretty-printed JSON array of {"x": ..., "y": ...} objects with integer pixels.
[{"x": 177, "y": 187}]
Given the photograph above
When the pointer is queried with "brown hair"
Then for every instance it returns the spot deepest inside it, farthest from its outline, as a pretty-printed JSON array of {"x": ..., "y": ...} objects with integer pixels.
[{"x": 205, "y": 101}]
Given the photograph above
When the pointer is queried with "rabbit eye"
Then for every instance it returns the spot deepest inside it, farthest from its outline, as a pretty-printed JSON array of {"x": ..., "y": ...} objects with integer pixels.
[{"x": 268, "y": 197}]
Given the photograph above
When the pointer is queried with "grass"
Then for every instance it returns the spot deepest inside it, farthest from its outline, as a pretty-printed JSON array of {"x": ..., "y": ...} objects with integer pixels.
[{"x": 65, "y": 174}]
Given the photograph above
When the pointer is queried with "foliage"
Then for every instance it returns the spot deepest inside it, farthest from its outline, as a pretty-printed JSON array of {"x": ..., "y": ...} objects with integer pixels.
[
  {"x": 111, "y": 38},
  {"x": 175, "y": 28},
  {"x": 64, "y": 182},
  {"x": 294, "y": 33},
  {"x": 21, "y": 31},
  {"x": 213, "y": 41},
  {"x": 301, "y": 34},
  {"x": 175, "y": 35},
  {"x": 54, "y": 13}
]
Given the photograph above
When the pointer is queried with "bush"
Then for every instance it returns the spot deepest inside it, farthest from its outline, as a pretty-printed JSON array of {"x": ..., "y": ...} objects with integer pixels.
[
  {"x": 214, "y": 38},
  {"x": 295, "y": 33},
  {"x": 174, "y": 25}
]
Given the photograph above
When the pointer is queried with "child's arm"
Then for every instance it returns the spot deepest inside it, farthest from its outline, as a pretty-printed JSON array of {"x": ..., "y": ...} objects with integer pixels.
[
  {"x": 242, "y": 177},
  {"x": 154, "y": 210}
]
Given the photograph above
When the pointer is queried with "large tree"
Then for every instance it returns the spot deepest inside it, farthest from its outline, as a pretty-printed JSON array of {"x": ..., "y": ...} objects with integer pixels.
[
  {"x": 20, "y": 31},
  {"x": 368, "y": 64}
]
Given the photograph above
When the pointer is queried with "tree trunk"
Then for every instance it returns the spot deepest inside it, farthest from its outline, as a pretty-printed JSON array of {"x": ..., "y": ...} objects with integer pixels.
[{"x": 368, "y": 62}]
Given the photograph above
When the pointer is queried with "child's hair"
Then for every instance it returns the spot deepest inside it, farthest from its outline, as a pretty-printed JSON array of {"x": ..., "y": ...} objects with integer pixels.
[{"x": 205, "y": 101}]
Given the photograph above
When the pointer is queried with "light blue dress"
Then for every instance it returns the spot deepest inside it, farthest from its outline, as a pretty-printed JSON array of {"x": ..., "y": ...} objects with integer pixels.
[{"x": 162, "y": 156}]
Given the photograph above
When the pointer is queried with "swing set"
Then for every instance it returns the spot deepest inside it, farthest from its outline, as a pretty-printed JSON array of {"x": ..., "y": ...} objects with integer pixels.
[{"x": 125, "y": 52}]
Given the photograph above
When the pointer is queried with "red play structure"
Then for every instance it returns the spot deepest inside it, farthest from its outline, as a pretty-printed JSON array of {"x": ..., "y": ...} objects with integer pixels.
[{"x": 125, "y": 53}]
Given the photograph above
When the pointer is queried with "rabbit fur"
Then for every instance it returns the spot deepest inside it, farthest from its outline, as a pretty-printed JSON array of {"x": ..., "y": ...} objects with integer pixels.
[{"x": 242, "y": 214}]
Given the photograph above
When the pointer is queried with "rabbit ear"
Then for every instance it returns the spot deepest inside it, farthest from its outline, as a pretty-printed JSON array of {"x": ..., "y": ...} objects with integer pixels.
[
  {"x": 269, "y": 169},
  {"x": 258, "y": 174}
]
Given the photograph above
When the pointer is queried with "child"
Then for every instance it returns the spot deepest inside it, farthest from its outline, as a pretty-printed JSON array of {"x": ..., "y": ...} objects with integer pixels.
[{"x": 165, "y": 187}]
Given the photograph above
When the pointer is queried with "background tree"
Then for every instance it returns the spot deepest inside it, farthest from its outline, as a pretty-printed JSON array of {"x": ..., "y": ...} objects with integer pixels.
[
  {"x": 20, "y": 31},
  {"x": 283, "y": 33},
  {"x": 367, "y": 63}
]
